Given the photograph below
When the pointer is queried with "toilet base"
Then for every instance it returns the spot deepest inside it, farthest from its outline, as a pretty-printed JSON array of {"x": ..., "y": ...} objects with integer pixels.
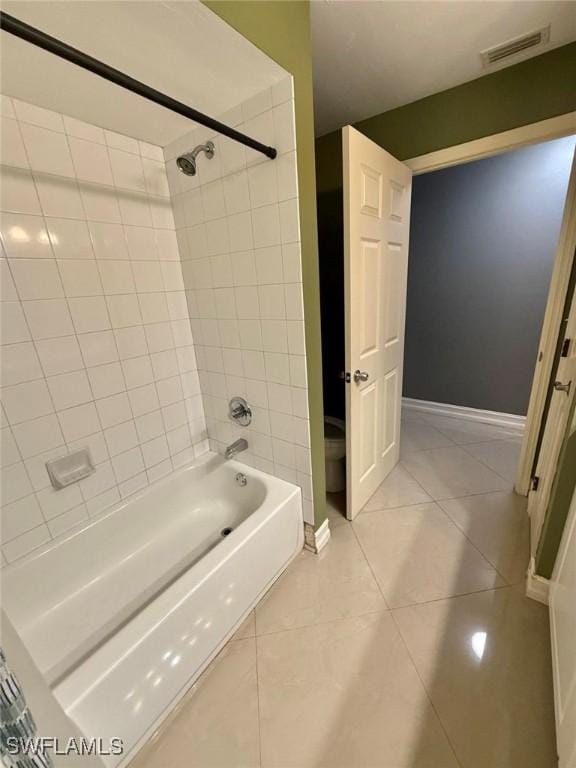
[{"x": 335, "y": 475}]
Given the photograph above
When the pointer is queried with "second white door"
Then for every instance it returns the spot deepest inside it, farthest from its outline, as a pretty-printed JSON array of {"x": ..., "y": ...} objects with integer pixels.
[
  {"x": 563, "y": 630},
  {"x": 555, "y": 430},
  {"x": 377, "y": 192}
]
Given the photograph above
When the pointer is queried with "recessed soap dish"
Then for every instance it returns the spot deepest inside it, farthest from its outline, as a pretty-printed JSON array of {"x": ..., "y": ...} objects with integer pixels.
[{"x": 71, "y": 468}]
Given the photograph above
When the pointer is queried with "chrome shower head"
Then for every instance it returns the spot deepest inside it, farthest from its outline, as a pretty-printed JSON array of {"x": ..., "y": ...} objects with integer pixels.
[{"x": 187, "y": 162}]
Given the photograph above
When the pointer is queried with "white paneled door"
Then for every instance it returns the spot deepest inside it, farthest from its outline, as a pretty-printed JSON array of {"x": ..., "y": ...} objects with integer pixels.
[
  {"x": 563, "y": 627},
  {"x": 377, "y": 190}
]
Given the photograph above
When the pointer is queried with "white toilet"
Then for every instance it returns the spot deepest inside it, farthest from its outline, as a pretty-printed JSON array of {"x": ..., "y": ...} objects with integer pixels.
[{"x": 335, "y": 449}]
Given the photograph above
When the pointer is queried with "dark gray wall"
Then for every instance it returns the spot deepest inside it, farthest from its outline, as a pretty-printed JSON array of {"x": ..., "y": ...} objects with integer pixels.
[{"x": 482, "y": 244}]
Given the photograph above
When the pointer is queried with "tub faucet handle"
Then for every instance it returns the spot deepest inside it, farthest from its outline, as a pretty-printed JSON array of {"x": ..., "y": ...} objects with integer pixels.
[{"x": 239, "y": 411}]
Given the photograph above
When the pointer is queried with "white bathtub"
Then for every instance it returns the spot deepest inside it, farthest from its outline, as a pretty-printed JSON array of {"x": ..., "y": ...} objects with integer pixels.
[{"x": 122, "y": 616}]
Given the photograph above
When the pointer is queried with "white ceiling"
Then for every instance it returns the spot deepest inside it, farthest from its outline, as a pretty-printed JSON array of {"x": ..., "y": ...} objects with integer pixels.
[
  {"x": 180, "y": 48},
  {"x": 370, "y": 57}
]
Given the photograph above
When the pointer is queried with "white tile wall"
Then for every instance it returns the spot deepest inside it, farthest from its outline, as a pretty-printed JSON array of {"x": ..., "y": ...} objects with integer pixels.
[
  {"x": 238, "y": 230},
  {"x": 96, "y": 341}
]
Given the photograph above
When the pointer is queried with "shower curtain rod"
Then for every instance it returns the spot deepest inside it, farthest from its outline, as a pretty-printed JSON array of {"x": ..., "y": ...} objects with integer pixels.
[{"x": 51, "y": 44}]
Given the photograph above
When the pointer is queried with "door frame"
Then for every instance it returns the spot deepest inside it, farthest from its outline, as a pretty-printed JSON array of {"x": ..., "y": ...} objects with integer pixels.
[{"x": 534, "y": 133}]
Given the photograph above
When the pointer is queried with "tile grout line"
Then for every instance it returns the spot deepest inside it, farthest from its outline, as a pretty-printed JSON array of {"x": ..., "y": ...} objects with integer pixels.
[
  {"x": 437, "y": 502},
  {"x": 321, "y": 623},
  {"x": 472, "y": 544},
  {"x": 428, "y": 694},
  {"x": 392, "y": 509},
  {"x": 492, "y": 439},
  {"x": 424, "y": 688},
  {"x": 418, "y": 483},
  {"x": 472, "y": 442},
  {"x": 457, "y": 445},
  {"x": 259, "y": 704},
  {"x": 452, "y": 597},
  {"x": 391, "y": 611},
  {"x": 506, "y": 479},
  {"x": 463, "y": 496},
  {"x": 482, "y": 555},
  {"x": 437, "y": 599},
  {"x": 258, "y": 674},
  {"x": 463, "y": 532},
  {"x": 434, "y": 429},
  {"x": 368, "y": 563}
]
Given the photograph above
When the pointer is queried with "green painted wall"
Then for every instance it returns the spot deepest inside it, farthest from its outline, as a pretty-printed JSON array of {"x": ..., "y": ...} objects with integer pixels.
[
  {"x": 533, "y": 90},
  {"x": 282, "y": 31}
]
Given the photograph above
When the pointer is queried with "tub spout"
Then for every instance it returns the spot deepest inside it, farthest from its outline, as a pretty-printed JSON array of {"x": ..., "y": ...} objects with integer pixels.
[{"x": 235, "y": 448}]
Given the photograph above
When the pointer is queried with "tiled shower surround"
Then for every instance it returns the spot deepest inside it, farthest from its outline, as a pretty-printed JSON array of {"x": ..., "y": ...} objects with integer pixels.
[
  {"x": 106, "y": 280},
  {"x": 97, "y": 347},
  {"x": 239, "y": 238}
]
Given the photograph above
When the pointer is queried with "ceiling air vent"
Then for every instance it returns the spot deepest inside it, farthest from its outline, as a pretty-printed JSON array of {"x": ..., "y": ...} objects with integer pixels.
[{"x": 499, "y": 53}]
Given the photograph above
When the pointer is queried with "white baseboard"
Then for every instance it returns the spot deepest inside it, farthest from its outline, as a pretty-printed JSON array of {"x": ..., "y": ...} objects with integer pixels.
[
  {"x": 315, "y": 541},
  {"x": 428, "y": 407},
  {"x": 537, "y": 587}
]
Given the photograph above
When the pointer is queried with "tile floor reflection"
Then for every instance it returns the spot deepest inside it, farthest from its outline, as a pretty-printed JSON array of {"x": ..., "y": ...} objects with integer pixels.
[{"x": 407, "y": 643}]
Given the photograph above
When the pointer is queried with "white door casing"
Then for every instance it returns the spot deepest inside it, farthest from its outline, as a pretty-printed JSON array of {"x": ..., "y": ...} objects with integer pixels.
[
  {"x": 554, "y": 433},
  {"x": 377, "y": 192},
  {"x": 563, "y": 631}
]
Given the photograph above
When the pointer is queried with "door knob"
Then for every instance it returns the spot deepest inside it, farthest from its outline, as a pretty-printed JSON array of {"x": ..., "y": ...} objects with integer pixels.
[
  {"x": 559, "y": 387},
  {"x": 360, "y": 375}
]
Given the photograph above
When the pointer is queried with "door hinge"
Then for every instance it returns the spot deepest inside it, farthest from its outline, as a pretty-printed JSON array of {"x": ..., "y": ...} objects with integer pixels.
[
  {"x": 535, "y": 483},
  {"x": 565, "y": 347},
  {"x": 346, "y": 376}
]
